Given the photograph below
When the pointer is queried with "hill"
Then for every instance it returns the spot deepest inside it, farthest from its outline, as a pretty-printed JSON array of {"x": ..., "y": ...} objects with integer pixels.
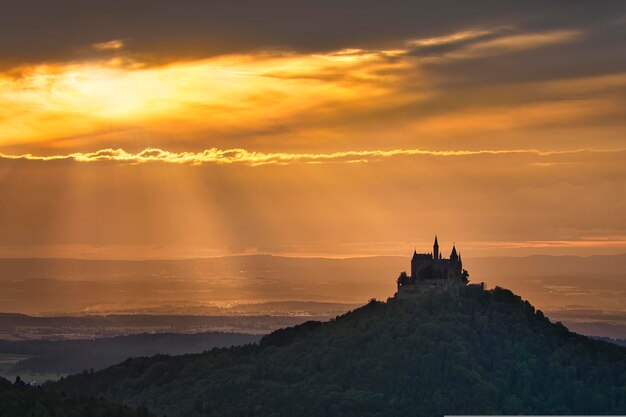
[
  {"x": 19, "y": 399},
  {"x": 57, "y": 357},
  {"x": 483, "y": 353}
]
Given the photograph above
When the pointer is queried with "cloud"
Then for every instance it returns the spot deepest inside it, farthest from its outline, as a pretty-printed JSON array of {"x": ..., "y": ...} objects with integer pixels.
[
  {"x": 243, "y": 156},
  {"x": 108, "y": 45},
  {"x": 480, "y": 43},
  {"x": 521, "y": 41},
  {"x": 452, "y": 42},
  {"x": 167, "y": 31},
  {"x": 230, "y": 93},
  {"x": 279, "y": 98},
  {"x": 590, "y": 243}
]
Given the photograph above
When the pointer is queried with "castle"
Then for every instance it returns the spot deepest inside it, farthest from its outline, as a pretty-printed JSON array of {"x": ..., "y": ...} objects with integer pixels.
[{"x": 431, "y": 272}]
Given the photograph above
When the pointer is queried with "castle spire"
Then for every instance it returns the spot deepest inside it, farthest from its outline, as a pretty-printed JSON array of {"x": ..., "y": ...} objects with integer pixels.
[
  {"x": 454, "y": 256},
  {"x": 436, "y": 249}
]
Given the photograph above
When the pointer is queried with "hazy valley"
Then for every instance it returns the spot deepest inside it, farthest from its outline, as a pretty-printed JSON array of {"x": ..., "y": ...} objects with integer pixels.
[{"x": 588, "y": 293}]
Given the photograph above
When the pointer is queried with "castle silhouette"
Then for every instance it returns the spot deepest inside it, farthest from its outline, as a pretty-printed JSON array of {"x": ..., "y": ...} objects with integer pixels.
[{"x": 432, "y": 272}]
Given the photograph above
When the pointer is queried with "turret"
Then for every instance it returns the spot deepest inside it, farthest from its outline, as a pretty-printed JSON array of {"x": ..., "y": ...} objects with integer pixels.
[
  {"x": 436, "y": 249},
  {"x": 454, "y": 256}
]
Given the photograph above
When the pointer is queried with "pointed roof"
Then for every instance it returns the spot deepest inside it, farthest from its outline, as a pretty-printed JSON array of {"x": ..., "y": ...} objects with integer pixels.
[
  {"x": 454, "y": 255},
  {"x": 436, "y": 243}
]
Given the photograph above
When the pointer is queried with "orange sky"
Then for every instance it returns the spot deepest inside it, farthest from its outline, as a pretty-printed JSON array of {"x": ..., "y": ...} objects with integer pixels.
[{"x": 505, "y": 134}]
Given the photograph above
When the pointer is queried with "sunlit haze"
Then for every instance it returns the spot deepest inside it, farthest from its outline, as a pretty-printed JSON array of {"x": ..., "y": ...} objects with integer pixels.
[
  {"x": 505, "y": 133},
  {"x": 322, "y": 208}
]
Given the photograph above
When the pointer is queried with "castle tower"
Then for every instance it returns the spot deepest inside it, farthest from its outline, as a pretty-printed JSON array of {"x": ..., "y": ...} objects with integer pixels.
[
  {"x": 436, "y": 249},
  {"x": 453, "y": 256}
]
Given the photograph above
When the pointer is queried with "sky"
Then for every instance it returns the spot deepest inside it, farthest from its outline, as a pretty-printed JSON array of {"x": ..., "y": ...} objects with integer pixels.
[{"x": 159, "y": 129}]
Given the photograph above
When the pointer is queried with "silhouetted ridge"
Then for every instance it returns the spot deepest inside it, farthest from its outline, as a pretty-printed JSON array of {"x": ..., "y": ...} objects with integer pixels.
[
  {"x": 285, "y": 336},
  {"x": 485, "y": 352}
]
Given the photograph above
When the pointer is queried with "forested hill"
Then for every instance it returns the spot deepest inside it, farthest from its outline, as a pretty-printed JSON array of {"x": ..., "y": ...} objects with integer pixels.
[
  {"x": 484, "y": 353},
  {"x": 18, "y": 399}
]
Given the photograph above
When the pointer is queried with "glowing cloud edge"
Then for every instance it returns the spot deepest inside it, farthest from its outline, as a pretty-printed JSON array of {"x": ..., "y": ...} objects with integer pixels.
[{"x": 254, "y": 158}]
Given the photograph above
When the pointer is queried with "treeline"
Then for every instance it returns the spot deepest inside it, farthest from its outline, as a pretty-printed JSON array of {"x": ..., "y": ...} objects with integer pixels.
[
  {"x": 74, "y": 356},
  {"x": 484, "y": 353},
  {"x": 619, "y": 342},
  {"x": 21, "y": 400}
]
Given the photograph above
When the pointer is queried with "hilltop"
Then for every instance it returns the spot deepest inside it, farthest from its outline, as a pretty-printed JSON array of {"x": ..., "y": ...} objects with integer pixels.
[{"x": 484, "y": 352}]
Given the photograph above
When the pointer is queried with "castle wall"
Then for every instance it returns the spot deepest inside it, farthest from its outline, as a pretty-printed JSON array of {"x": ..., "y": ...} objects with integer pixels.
[
  {"x": 441, "y": 268},
  {"x": 423, "y": 288}
]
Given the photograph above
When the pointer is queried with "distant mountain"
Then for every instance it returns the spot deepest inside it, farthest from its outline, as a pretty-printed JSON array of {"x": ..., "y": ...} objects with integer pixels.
[
  {"x": 57, "y": 357},
  {"x": 483, "y": 353},
  {"x": 21, "y": 400},
  {"x": 619, "y": 342},
  {"x": 20, "y": 327},
  {"x": 610, "y": 267}
]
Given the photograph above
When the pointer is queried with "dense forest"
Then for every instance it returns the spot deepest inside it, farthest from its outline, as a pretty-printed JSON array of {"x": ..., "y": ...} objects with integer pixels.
[
  {"x": 21, "y": 400},
  {"x": 486, "y": 352}
]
